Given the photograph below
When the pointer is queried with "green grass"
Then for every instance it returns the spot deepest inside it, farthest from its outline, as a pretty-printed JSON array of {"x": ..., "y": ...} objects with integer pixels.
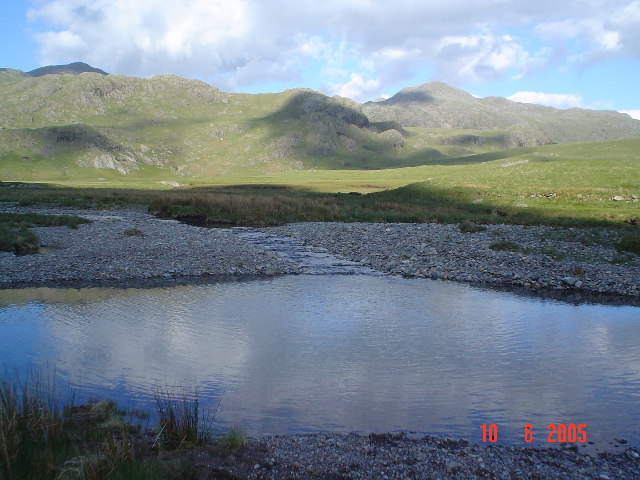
[
  {"x": 567, "y": 185},
  {"x": 16, "y": 237},
  {"x": 20, "y": 241}
]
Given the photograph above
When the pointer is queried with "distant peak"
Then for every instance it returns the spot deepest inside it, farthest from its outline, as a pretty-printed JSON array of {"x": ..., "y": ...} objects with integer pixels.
[
  {"x": 429, "y": 93},
  {"x": 75, "y": 68}
]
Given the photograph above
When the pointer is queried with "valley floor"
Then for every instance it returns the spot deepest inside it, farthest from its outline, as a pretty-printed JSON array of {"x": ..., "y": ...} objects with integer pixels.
[{"x": 129, "y": 247}]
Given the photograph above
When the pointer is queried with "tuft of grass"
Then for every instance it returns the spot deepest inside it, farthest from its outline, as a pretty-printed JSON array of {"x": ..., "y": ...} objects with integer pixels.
[
  {"x": 233, "y": 439},
  {"x": 21, "y": 241},
  {"x": 181, "y": 421},
  {"x": 43, "y": 437},
  {"x": 134, "y": 232},
  {"x": 505, "y": 246},
  {"x": 16, "y": 237},
  {"x": 629, "y": 243},
  {"x": 469, "y": 227}
]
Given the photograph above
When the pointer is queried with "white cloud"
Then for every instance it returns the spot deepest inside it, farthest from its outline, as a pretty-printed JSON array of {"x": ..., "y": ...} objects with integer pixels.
[
  {"x": 479, "y": 57},
  {"x": 241, "y": 42},
  {"x": 356, "y": 87},
  {"x": 632, "y": 113},
  {"x": 558, "y": 100}
]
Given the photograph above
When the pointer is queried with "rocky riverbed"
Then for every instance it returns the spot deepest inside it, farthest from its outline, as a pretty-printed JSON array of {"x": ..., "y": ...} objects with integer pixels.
[
  {"x": 399, "y": 456},
  {"x": 128, "y": 246},
  {"x": 565, "y": 260}
]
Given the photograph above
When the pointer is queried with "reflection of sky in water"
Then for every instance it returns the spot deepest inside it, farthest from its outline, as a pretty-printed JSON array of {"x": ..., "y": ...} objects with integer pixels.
[{"x": 306, "y": 353}]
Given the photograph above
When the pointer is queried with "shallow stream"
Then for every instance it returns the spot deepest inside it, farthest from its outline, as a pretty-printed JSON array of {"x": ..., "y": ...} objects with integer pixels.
[{"x": 342, "y": 352}]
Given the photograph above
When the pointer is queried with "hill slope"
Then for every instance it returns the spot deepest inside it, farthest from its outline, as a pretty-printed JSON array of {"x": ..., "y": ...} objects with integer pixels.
[
  {"x": 92, "y": 126},
  {"x": 437, "y": 105},
  {"x": 75, "y": 68}
]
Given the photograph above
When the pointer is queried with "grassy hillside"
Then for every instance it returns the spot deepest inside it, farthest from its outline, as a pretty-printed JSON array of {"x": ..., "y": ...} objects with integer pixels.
[
  {"x": 436, "y": 105},
  {"x": 59, "y": 126},
  {"x": 110, "y": 129}
]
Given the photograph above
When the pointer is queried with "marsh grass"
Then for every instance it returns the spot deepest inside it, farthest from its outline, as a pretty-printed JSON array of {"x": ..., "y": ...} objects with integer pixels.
[
  {"x": 234, "y": 439},
  {"x": 181, "y": 421},
  {"x": 45, "y": 435}
]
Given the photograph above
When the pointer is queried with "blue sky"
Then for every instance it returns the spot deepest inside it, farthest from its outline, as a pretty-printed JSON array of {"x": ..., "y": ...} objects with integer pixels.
[{"x": 582, "y": 53}]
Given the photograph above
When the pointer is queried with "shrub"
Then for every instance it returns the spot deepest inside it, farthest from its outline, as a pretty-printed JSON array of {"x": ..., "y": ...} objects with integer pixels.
[{"x": 505, "y": 246}]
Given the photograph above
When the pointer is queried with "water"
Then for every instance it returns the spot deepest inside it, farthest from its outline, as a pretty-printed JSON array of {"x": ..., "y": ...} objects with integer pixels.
[
  {"x": 309, "y": 259},
  {"x": 342, "y": 353}
]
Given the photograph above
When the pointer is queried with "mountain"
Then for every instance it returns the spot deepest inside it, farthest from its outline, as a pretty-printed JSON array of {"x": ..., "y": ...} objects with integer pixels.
[
  {"x": 75, "y": 68},
  {"x": 437, "y": 105},
  {"x": 95, "y": 126}
]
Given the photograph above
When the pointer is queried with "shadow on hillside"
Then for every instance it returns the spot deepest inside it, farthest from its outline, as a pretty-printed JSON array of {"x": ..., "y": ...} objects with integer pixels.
[
  {"x": 415, "y": 96},
  {"x": 332, "y": 133}
]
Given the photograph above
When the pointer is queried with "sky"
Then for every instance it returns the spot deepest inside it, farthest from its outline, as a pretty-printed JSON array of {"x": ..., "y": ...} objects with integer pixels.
[{"x": 571, "y": 53}]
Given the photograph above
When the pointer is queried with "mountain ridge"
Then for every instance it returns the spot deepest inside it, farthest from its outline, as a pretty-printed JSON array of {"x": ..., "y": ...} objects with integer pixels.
[{"x": 91, "y": 123}]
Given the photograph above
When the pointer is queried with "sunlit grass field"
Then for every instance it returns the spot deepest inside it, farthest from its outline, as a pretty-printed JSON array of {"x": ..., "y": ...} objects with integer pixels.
[{"x": 575, "y": 184}]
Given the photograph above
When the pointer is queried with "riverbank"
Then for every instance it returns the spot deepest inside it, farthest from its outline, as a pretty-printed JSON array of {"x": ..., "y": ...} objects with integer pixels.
[
  {"x": 399, "y": 456},
  {"x": 129, "y": 247},
  {"x": 532, "y": 257}
]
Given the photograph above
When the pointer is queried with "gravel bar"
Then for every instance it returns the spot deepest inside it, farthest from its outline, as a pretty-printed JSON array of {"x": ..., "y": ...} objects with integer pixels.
[
  {"x": 100, "y": 253},
  {"x": 548, "y": 258}
]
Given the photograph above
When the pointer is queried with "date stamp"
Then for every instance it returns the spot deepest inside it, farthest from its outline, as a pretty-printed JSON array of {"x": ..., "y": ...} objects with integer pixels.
[{"x": 556, "y": 433}]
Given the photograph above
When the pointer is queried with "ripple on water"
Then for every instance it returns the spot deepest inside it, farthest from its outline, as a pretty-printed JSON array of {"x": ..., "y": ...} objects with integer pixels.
[{"x": 346, "y": 352}]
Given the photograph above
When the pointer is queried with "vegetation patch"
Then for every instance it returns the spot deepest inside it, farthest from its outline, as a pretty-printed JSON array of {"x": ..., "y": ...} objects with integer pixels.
[
  {"x": 45, "y": 435},
  {"x": 471, "y": 227},
  {"x": 16, "y": 237},
  {"x": 505, "y": 246},
  {"x": 630, "y": 243},
  {"x": 134, "y": 232},
  {"x": 20, "y": 241}
]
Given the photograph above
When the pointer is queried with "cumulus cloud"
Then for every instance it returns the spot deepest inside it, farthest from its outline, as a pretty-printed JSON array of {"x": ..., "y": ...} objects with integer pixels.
[
  {"x": 352, "y": 43},
  {"x": 632, "y": 113},
  {"x": 356, "y": 87},
  {"x": 480, "y": 57},
  {"x": 557, "y": 100}
]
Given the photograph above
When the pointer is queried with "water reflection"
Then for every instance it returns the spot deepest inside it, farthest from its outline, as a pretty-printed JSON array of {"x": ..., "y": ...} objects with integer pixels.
[{"x": 343, "y": 353}]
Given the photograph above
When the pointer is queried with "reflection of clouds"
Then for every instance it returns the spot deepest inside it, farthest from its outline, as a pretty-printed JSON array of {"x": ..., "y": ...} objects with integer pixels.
[{"x": 357, "y": 353}]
